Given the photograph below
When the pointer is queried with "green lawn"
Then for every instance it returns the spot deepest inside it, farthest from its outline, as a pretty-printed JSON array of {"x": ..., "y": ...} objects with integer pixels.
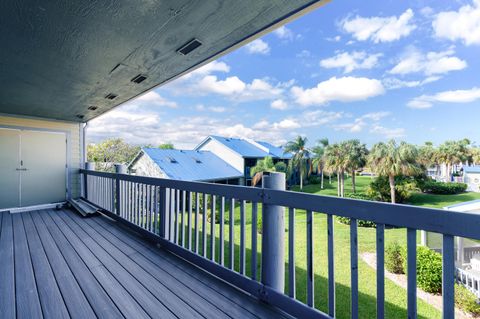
[{"x": 396, "y": 297}]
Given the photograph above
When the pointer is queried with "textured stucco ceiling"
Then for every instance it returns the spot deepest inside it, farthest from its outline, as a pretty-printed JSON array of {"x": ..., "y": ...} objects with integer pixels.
[{"x": 57, "y": 58}]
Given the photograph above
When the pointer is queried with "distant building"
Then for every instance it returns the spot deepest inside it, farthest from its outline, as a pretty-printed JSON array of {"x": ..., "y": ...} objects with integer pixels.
[
  {"x": 471, "y": 177},
  {"x": 242, "y": 154},
  {"x": 185, "y": 165}
]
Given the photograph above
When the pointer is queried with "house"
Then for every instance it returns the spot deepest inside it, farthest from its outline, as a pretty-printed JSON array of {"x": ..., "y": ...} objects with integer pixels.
[
  {"x": 471, "y": 177},
  {"x": 184, "y": 165},
  {"x": 242, "y": 153}
]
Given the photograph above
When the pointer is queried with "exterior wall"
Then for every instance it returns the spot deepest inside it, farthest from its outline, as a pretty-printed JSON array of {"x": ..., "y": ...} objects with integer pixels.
[
  {"x": 224, "y": 153},
  {"x": 473, "y": 181},
  {"x": 74, "y": 146},
  {"x": 144, "y": 166}
]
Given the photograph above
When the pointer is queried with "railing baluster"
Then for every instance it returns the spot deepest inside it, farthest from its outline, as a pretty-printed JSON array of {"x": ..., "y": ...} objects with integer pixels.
[
  {"x": 291, "y": 252},
  {"x": 331, "y": 266},
  {"x": 155, "y": 209},
  {"x": 137, "y": 209},
  {"x": 222, "y": 235},
  {"x": 412, "y": 272},
  {"x": 354, "y": 267},
  {"x": 253, "y": 259},
  {"x": 310, "y": 275},
  {"x": 148, "y": 211},
  {"x": 197, "y": 209},
  {"x": 184, "y": 200},
  {"x": 204, "y": 225},
  {"x": 171, "y": 215},
  {"x": 212, "y": 226},
  {"x": 177, "y": 211},
  {"x": 242, "y": 238},
  {"x": 189, "y": 221},
  {"x": 231, "y": 233},
  {"x": 448, "y": 277},
  {"x": 380, "y": 271}
]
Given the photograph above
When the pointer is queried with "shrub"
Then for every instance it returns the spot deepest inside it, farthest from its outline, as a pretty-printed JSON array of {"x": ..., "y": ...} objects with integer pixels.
[
  {"x": 466, "y": 300},
  {"x": 429, "y": 269},
  {"x": 280, "y": 167},
  {"x": 379, "y": 188},
  {"x": 444, "y": 188},
  {"x": 360, "y": 223},
  {"x": 394, "y": 258},
  {"x": 313, "y": 179}
]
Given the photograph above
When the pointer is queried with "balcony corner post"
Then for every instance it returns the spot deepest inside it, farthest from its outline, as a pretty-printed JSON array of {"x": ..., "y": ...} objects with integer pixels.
[{"x": 273, "y": 236}]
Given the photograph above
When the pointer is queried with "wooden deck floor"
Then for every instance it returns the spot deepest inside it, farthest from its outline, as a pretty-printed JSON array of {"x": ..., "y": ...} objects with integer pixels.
[{"x": 55, "y": 264}]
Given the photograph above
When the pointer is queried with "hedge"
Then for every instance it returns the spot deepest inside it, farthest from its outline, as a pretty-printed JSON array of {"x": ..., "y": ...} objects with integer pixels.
[{"x": 444, "y": 188}]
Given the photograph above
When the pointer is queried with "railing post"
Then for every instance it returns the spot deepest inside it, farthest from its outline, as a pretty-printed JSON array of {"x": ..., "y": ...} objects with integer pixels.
[
  {"x": 119, "y": 169},
  {"x": 91, "y": 167},
  {"x": 273, "y": 236},
  {"x": 164, "y": 216}
]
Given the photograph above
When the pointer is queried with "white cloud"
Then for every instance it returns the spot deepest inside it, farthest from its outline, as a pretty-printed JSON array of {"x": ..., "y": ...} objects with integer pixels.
[
  {"x": 454, "y": 96},
  {"x": 394, "y": 83},
  {"x": 361, "y": 122},
  {"x": 344, "y": 89},
  {"x": 351, "y": 61},
  {"x": 154, "y": 99},
  {"x": 388, "y": 132},
  {"x": 287, "y": 124},
  {"x": 414, "y": 61},
  {"x": 463, "y": 24},
  {"x": 304, "y": 54},
  {"x": 380, "y": 29},
  {"x": 258, "y": 46},
  {"x": 279, "y": 104},
  {"x": 230, "y": 85},
  {"x": 284, "y": 33}
]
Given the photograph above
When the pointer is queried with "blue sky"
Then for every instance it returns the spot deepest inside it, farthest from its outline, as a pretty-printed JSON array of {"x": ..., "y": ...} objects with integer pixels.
[{"x": 372, "y": 70}]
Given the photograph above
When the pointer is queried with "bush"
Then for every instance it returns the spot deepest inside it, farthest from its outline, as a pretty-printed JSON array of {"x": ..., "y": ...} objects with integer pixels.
[
  {"x": 429, "y": 269},
  {"x": 314, "y": 179},
  {"x": 394, "y": 258},
  {"x": 379, "y": 188},
  {"x": 442, "y": 188},
  {"x": 466, "y": 300},
  {"x": 360, "y": 223},
  {"x": 280, "y": 167}
]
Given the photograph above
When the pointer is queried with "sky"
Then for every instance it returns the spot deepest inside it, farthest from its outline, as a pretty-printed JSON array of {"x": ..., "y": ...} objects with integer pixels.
[{"x": 372, "y": 70}]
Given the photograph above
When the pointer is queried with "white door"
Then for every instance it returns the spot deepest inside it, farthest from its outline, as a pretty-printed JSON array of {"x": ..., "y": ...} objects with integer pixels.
[{"x": 37, "y": 175}]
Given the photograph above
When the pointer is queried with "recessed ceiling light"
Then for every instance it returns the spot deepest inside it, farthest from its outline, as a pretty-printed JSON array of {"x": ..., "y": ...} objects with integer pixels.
[
  {"x": 139, "y": 78},
  {"x": 189, "y": 46}
]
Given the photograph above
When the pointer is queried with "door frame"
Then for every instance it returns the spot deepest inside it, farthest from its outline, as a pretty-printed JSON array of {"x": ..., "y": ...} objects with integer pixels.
[{"x": 68, "y": 178}]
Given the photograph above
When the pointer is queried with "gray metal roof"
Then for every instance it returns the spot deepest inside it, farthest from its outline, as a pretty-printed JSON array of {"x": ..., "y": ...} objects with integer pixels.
[
  {"x": 192, "y": 165},
  {"x": 59, "y": 59}
]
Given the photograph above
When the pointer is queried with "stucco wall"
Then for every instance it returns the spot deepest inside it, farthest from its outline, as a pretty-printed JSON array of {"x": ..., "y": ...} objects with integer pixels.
[
  {"x": 73, "y": 131},
  {"x": 224, "y": 153},
  {"x": 144, "y": 166},
  {"x": 473, "y": 181}
]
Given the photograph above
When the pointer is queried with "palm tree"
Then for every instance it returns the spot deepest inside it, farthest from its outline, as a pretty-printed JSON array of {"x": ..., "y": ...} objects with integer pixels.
[
  {"x": 389, "y": 159},
  {"x": 318, "y": 160},
  {"x": 356, "y": 157},
  {"x": 452, "y": 153},
  {"x": 300, "y": 155},
  {"x": 335, "y": 160},
  {"x": 264, "y": 165}
]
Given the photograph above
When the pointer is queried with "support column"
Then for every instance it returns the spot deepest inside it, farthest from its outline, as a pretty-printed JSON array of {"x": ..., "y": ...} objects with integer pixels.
[
  {"x": 273, "y": 236},
  {"x": 91, "y": 167}
]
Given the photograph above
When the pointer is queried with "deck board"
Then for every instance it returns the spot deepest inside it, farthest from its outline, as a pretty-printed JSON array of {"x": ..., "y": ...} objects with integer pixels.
[{"x": 56, "y": 264}]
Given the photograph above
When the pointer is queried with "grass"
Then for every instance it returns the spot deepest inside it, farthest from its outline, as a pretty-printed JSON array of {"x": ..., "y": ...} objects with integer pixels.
[{"x": 395, "y": 296}]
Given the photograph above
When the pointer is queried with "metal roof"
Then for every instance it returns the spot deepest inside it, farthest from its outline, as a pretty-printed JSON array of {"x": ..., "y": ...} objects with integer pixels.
[
  {"x": 77, "y": 60},
  {"x": 249, "y": 148},
  {"x": 189, "y": 165},
  {"x": 471, "y": 169}
]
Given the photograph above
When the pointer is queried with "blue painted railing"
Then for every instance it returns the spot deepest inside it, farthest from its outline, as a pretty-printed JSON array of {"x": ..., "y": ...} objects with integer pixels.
[{"x": 197, "y": 221}]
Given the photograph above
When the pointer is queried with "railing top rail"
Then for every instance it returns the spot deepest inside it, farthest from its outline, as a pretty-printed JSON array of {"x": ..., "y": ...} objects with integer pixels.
[{"x": 463, "y": 224}]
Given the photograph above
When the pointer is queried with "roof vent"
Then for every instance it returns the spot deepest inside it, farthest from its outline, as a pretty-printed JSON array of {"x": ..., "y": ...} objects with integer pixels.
[
  {"x": 111, "y": 96},
  {"x": 172, "y": 160},
  {"x": 139, "y": 78},
  {"x": 189, "y": 46},
  {"x": 197, "y": 160},
  {"x": 92, "y": 107}
]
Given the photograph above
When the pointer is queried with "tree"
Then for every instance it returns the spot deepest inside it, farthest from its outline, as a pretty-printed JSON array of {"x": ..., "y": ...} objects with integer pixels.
[
  {"x": 336, "y": 160},
  {"x": 300, "y": 155},
  {"x": 453, "y": 153},
  {"x": 318, "y": 160},
  {"x": 390, "y": 160},
  {"x": 356, "y": 157},
  {"x": 166, "y": 146},
  {"x": 111, "y": 151},
  {"x": 265, "y": 165}
]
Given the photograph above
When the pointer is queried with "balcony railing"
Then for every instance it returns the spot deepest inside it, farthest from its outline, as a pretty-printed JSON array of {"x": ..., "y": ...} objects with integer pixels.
[{"x": 182, "y": 216}]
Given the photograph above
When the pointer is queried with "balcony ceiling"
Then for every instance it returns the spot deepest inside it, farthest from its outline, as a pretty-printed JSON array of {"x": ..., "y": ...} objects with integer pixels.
[{"x": 59, "y": 58}]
